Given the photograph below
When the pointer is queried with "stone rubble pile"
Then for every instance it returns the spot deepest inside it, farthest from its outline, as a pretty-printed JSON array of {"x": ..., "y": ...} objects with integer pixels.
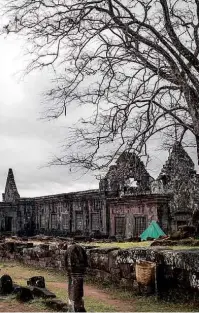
[{"x": 35, "y": 289}]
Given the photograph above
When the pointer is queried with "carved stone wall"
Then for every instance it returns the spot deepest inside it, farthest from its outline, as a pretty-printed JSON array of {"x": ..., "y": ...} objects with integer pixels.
[
  {"x": 77, "y": 213},
  {"x": 137, "y": 213},
  {"x": 71, "y": 213}
]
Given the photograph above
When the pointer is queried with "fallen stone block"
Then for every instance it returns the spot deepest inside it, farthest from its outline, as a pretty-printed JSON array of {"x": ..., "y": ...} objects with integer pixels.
[
  {"x": 42, "y": 292},
  {"x": 16, "y": 288},
  {"x": 63, "y": 246},
  {"x": 6, "y": 285},
  {"x": 37, "y": 281},
  {"x": 57, "y": 305},
  {"x": 24, "y": 294}
]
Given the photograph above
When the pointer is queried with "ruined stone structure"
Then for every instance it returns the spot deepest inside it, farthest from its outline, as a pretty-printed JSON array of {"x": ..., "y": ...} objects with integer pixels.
[
  {"x": 127, "y": 200},
  {"x": 180, "y": 182},
  {"x": 177, "y": 275}
]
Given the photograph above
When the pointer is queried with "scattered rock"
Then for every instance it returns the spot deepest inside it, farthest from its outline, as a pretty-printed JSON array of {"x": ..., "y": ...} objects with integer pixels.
[
  {"x": 42, "y": 293},
  {"x": 37, "y": 281},
  {"x": 63, "y": 245},
  {"x": 24, "y": 238},
  {"x": 16, "y": 288},
  {"x": 24, "y": 294}
]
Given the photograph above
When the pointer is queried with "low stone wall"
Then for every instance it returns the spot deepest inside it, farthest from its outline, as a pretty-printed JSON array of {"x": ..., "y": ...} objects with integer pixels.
[{"x": 176, "y": 270}]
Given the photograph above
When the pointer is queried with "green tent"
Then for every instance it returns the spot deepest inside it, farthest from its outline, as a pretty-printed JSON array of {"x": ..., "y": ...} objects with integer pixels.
[{"x": 152, "y": 231}]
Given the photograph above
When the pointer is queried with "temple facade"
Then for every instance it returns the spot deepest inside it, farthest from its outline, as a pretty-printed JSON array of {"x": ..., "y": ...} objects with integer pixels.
[{"x": 127, "y": 200}]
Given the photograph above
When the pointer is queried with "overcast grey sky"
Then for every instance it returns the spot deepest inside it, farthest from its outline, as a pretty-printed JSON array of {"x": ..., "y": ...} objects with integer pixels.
[{"x": 27, "y": 143}]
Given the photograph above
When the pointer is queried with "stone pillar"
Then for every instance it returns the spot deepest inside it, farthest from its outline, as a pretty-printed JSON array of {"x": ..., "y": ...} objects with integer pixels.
[{"x": 76, "y": 263}]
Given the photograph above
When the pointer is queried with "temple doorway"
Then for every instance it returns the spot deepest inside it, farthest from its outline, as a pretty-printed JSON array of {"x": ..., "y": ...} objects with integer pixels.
[{"x": 8, "y": 223}]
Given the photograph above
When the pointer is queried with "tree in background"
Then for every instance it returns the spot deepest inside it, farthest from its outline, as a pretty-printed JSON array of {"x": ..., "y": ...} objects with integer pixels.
[{"x": 133, "y": 63}]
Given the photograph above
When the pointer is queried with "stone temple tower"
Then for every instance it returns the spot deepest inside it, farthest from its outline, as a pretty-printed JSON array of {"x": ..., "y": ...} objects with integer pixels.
[{"x": 11, "y": 193}]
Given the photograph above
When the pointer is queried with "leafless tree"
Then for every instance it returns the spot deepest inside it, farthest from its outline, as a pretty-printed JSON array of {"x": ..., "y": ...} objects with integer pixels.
[{"x": 133, "y": 63}]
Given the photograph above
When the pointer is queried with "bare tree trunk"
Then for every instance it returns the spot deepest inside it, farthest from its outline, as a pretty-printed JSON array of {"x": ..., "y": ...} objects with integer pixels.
[
  {"x": 192, "y": 102},
  {"x": 196, "y": 131},
  {"x": 197, "y": 145},
  {"x": 196, "y": 128}
]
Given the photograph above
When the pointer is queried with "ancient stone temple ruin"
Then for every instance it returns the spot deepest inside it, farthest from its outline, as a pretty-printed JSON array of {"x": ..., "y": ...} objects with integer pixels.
[{"x": 127, "y": 200}]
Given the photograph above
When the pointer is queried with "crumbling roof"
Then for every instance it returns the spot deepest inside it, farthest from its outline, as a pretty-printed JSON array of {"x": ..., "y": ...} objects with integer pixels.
[{"x": 128, "y": 165}]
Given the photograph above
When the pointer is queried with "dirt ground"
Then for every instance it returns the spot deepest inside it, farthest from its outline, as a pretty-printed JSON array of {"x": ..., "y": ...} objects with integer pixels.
[
  {"x": 96, "y": 299},
  {"x": 95, "y": 293},
  {"x": 15, "y": 307},
  {"x": 119, "y": 305}
]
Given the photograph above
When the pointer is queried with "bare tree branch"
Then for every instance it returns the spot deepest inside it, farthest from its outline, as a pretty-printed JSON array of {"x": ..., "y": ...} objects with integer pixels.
[{"x": 134, "y": 63}]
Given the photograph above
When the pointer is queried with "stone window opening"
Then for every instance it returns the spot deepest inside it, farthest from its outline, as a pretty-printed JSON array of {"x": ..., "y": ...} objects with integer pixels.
[
  {"x": 120, "y": 225},
  {"x": 54, "y": 221},
  {"x": 79, "y": 221},
  {"x": 131, "y": 182},
  {"x": 54, "y": 208},
  {"x": 140, "y": 225},
  {"x": 65, "y": 220},
  {"x": 42, "y": 221},
  {"x": 95, "y": 221}
]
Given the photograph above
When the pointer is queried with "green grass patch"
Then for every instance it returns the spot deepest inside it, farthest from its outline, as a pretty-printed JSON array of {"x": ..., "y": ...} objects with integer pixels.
[
  {"x": 93, "y": 305},
  {"x": 151, "y": 304},
  {"x": 142, "y": 244},
  {"x": 184, "y": 247},
  {"x": 55, "y": 282},
  {"x": 33, "y": 305},
  {"x": 121, "y": 245},
  {"x": 143, "y": 303},
  {"x": 21, "y": 273}
]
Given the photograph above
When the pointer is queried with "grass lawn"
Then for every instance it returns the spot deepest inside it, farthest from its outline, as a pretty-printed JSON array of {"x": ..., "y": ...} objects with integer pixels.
[
  {"x": 127, "y": 245},
  {"x": 98, "y": 298},
  {"x": 55, "y": 282},
  {"x": 146, "y": 304},
  {"x": 122, "y": 245}
]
